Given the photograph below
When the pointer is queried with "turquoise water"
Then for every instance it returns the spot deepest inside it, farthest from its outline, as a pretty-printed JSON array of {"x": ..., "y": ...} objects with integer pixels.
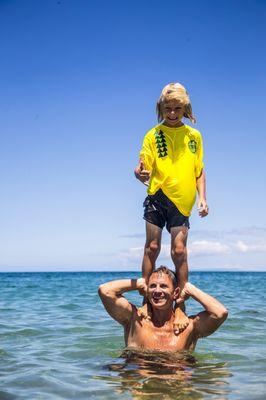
[{"x": 57, "y": 342}]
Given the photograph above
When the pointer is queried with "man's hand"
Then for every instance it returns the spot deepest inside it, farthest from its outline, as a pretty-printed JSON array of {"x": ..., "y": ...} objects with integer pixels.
[
  {"x": 141, "y": 173},
  {"x": 186, "y": 291},
  {"x": 145, "y": 310},
  {"x": 203, "y": 208},
  {"x": 142, "y": 287},
  {"x": 184, "y": 295}
]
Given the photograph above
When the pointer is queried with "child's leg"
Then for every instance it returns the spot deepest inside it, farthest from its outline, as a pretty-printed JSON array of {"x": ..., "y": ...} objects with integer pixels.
[
  {"x": 179, "y": 257},
  {"x": 151, "y": 249}
]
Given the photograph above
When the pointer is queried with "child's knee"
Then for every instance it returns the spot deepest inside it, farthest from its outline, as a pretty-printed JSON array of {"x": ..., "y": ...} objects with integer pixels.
[
  {"x": 152, "y": 248},
  {"x": 179, "y": 252}
]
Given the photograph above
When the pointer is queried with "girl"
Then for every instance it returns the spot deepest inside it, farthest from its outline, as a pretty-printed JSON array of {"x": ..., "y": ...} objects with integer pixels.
[{"x": 171, "y": 164}]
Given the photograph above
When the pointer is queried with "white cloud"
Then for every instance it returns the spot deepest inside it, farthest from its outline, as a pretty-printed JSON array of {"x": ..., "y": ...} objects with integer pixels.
[
  {"x": 134, "y": 255},
  {"x": 207, "y": 247},
  {"x": 165, "y": 250},
  {"x": 197, "y": 248},
  {"x": 130, "y": 257},
  {"x": 225, "y": 251},
  {"x": 244, "y": 247}
]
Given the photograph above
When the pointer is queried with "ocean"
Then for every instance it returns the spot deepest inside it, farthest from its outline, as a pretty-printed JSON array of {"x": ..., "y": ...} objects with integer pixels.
[{"x": 58, "y": 342}]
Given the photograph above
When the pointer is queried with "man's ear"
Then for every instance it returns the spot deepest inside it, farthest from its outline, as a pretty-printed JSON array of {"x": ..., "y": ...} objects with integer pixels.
[{"x": 176, "y": 293}]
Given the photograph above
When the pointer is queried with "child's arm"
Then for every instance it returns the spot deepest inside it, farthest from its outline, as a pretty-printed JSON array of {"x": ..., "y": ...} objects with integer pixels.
[
  {"x": 201, "y": 188},
  {"x": 141, "y": 173},
  {"x": 146, "y": 160}
]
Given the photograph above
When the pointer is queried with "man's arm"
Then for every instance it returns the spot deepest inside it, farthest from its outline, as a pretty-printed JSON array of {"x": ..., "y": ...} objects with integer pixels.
[
  {"x": 201, "y": 188},
  {"x": 206, "y": 322},
  {"x": 117, "y": 306}
]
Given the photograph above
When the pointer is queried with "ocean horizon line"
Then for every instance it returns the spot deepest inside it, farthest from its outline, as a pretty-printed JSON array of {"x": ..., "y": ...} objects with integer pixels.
[{"x": 17, "y": 271}]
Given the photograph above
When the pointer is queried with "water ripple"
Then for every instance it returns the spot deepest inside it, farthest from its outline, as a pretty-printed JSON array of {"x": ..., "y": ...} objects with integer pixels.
[{"x": 57, "y": 342}]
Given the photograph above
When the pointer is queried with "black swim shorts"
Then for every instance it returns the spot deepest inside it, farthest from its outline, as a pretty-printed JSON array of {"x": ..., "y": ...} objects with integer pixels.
[{"x": 161, "y": 211}]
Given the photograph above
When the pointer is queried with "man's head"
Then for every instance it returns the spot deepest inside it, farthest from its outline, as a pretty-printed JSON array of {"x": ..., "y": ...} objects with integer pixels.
[{"x": 162, "y": 288}]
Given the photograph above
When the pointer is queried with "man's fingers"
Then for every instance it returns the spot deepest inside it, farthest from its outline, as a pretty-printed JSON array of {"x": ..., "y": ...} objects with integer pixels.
[
  {"x": 180, "y": 300},
  {"x": 183, "y": 296},
  {"x": 143, "y": 291}
]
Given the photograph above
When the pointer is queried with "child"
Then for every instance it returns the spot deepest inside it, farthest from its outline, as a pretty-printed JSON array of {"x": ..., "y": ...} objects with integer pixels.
[{"x": 171, "y": 164}]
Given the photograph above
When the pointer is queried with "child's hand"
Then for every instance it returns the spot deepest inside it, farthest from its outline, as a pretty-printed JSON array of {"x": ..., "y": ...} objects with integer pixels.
[
  {"x": 203, "y": 208},
  {"x": 142, "y": 174}
]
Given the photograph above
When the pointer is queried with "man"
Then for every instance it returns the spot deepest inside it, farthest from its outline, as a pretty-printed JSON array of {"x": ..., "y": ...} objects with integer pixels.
[{"x": 156, "y": 333}]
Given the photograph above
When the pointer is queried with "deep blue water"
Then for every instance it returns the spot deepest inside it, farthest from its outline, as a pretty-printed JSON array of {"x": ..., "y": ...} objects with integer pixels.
[{"x": 57, "y": 342}]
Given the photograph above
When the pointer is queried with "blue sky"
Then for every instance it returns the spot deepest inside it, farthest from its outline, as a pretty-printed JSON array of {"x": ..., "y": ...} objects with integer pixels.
[{"x": 79, "y": 83}]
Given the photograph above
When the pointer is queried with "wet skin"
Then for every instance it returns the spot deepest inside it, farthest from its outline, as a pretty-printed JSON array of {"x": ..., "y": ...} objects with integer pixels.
[{"x": 157, "y": 332}]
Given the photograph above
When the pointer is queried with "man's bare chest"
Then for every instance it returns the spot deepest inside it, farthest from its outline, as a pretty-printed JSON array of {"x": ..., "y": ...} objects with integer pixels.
[{"x": 146, "y": 335}]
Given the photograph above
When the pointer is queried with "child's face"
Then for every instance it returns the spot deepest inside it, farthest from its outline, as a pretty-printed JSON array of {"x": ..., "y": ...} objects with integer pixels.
[{"x": 173, "y": 112}]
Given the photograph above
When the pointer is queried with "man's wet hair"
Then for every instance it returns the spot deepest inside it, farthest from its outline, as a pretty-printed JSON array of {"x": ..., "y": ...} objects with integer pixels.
[{"x": 164, "y": 270}]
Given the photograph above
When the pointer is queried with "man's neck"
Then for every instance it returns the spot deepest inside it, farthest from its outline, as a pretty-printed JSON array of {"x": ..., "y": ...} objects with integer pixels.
[{"x": 161, "y": 317}]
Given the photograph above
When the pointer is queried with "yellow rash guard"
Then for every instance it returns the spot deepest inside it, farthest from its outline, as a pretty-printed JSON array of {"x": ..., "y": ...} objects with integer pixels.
[{"x": 175, "y": 158}]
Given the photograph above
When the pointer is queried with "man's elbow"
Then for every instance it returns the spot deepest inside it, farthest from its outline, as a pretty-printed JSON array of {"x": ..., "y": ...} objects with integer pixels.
[
  {"x": 103, "y": 290},
  {"x": 222, "y": 314}
]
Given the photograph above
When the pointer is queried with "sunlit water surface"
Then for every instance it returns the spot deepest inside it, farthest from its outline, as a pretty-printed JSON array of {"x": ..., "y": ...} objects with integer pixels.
[{"x": 57, "y": 342}]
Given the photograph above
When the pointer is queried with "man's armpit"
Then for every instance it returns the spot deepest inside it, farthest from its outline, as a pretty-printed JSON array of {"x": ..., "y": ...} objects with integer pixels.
[
  {"x": 196, "y": 327},
  {"x": 125, "y": 315}
]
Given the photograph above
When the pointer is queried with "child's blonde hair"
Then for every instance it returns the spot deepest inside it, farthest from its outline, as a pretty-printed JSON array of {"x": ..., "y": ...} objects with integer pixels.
[{"x": 175, "y": 91}]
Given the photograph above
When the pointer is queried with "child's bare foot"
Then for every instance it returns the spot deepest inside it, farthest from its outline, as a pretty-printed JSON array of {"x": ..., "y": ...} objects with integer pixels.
[
  {"x": 181, "y": 321},
  {"x": 145, "y": 311}
]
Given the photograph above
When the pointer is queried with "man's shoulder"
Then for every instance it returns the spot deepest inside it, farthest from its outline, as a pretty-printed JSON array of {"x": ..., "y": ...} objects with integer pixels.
[
  {"x": 190, "y": 329},
  {"x": 191, "y": 322},
  {"x": 193, "y": 325},
  {"x": 137, "y": 318}
]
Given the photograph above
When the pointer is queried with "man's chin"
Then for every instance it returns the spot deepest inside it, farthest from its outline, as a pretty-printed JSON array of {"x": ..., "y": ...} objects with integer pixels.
[{"x": 158, "y": 304}]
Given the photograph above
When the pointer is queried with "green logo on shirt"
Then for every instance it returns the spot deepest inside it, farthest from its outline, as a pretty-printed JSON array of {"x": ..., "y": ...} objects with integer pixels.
[
  {"x": 192, "y": 144},
  {"x": 161, "y": 144}
]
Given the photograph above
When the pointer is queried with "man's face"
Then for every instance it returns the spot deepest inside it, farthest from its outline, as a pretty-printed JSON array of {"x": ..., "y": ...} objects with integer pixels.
[
  {"x": 173, "y": 112},
  {"x": 161, "y": 291}
]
